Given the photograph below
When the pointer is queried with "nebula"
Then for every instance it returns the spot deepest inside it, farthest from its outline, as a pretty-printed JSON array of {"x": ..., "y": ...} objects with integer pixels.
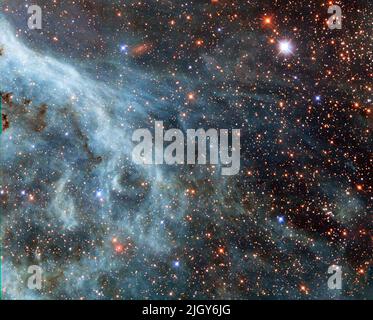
[{"x": 101, "y": 226}]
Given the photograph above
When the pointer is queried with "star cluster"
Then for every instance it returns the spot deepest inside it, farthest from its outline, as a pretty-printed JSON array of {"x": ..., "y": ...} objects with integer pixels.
[{"x": 102, "y": 227}]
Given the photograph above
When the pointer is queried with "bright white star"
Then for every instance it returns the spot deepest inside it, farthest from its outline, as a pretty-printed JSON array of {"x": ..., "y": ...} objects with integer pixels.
[
  {"x": 285, "y": 47},
  {"x": 124, "y": 48}
]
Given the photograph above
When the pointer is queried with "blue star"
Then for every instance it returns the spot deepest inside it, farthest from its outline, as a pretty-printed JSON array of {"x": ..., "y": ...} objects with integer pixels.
[
  {"x": 281, "y": 219},
  {"x": 99, "y": 193},
  {"x": 124, "y": 48}
]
